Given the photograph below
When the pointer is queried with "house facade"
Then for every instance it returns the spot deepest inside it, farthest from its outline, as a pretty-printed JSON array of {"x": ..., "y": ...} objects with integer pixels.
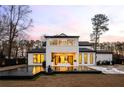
[{"x": 64, "y": 50}]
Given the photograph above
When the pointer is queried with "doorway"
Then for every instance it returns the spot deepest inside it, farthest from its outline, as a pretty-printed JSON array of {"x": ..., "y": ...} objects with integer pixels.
[{"x": 63, "y": 58}]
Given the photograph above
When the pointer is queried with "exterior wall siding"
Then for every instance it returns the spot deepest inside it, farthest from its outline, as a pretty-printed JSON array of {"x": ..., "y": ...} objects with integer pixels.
[
  {"x": 69, "y": 49},
  {"x": 102, "y": 57},
  {"x": 89, "y": 47}
]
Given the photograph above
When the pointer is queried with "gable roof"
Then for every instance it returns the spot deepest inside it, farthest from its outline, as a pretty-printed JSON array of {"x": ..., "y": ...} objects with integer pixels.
[{"x": 62, "y": 35}]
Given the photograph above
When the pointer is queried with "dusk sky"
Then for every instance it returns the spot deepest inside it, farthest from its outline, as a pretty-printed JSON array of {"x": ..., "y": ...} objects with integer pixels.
[{"x": 76, "y": 20}]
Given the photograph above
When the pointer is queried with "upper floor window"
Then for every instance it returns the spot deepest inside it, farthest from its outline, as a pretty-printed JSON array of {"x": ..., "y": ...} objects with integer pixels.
[{"x": 62, "y": 42}]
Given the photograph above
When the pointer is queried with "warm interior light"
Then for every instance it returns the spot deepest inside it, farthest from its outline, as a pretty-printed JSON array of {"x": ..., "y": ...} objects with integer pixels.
[
  {"x": 91, "y": 58},
  {"x": 85, "y": 58},
  {"x": 63, "y": 58},
  {"x": 80, "y": 58},
  {"x": 38, "y": 58}
]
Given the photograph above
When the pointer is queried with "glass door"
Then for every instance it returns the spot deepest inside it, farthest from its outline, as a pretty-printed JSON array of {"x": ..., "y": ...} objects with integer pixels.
[
  {"x": 57, "y": 60},
  {"x": 63, "y": 58},
  {"x": 85, "y": 58},
  {"x": 70, "y": 60}
]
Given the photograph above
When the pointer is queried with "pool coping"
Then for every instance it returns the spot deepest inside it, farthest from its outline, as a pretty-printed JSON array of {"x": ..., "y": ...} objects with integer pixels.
[{"x": 12, "y": 77}]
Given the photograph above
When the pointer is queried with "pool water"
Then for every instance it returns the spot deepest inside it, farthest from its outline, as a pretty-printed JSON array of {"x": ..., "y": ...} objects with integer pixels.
[
  {"x": 30, "y": 72},
  {"x": 71, "y": 68},
  {"x": 23, "y": 71}
]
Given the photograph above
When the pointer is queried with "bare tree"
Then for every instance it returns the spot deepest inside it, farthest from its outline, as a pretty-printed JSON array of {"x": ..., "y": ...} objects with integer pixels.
[
  {"x": 18, "y": 21},
  {"x": 3, "y": 27},
  {"x": 3, "y": 31}
]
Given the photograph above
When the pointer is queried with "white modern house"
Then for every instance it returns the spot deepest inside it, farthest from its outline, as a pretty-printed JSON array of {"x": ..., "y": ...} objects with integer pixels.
[{"x": 64, "y": 50}]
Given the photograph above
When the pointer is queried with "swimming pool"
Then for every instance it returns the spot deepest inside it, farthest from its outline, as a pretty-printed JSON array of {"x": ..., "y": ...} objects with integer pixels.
[{"x": 29, "y": 72}]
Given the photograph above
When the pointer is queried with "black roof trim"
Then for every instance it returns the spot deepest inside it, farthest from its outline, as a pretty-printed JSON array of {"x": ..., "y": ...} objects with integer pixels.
[
  {"x": 103, "y": 52},
  {"x": 84, "y": 43},
  {"x": 42, "y": 50},
  {"x": 61, "y": 36},
  {"x": 85, "y": 50}
]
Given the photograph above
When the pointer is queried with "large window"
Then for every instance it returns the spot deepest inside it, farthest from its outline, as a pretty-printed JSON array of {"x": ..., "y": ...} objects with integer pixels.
[
  {"x": 85, "y": 58},
  {"x": 62, "y": 42},
  {"x": 91, "y": 58},
  {"x": 38, "y": 58},
  {"x": 63, "y": 58},
  {"x": 80, "y": 58}
]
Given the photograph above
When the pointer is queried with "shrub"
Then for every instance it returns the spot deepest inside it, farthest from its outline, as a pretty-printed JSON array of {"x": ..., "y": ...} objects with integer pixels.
[
  {"x": 104, "y": 62},
  {"x": 44, "y": 64},
  {"x": 11, "y": 62},
  {"x": 98, "y": 63},
  {"x": 113, "y": 62}
]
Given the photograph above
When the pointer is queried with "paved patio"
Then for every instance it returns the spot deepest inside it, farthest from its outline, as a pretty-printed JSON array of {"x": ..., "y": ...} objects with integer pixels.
[{"x": 110, "y": 69}]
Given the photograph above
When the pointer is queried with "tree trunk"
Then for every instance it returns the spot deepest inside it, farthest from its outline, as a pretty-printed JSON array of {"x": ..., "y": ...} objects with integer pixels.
[
  {"x": 16, "y": 52},
  {"x": 22, "y": 52},
  {"x": 96, "y": 46},
  {"x": 10, "y": 49}
]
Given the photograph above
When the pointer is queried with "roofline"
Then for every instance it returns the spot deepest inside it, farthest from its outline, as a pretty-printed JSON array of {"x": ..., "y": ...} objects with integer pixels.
[
  {"x": 104, "y": 52},
  {"x": 79, "y": 51},
  {"x": 85, "y": 45},
  {"x": 62, "y": 36},
  {"x": 87, "y": 51},
  {"x": 35, "y": 52}
]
